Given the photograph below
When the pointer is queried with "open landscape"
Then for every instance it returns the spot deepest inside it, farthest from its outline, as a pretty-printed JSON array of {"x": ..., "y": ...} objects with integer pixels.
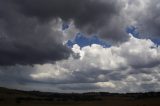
[
  {"x": 79, "y": 52},
  {"x": 9, "y": 97}
]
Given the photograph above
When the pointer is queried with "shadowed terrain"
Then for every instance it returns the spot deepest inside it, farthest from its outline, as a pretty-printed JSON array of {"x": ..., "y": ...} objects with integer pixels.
[{"x": 10, "y": 97}]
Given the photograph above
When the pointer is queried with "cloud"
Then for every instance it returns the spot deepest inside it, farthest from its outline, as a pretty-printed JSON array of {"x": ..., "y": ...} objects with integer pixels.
[
  {"x": 108, "y": 18},
  {"x": 127, "y": 63},
  {"x": 132, "y": 66},
  {"x": 150, "y": 21},
  {"x": 89, "y": 16},
  {"x": 32, "y": 25},
  {"x": 145, "y": 15},
  {"x": 24, "y": 40},
  {"x": 32, "y": 50}
]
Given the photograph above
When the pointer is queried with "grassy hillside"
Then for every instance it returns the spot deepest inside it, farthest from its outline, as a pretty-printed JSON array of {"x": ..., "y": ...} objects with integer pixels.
[{"x": 9, "y": 97}]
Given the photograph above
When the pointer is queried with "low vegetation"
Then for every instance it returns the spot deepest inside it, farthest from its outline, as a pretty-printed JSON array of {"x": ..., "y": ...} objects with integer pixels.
[{"x": 10, "y": 97}]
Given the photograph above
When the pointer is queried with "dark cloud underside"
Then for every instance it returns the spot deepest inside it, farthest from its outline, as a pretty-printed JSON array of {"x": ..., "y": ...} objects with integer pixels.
[
  {"x": 90, "y": 16},
  {"x": 25, "y": 40}
]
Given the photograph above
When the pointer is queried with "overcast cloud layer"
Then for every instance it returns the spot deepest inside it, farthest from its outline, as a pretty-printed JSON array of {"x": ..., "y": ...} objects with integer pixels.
[{"x": 33, "y": 54}]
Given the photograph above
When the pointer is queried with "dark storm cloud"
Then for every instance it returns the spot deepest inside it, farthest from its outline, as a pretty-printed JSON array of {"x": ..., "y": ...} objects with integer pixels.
[
  {"x": 90, "y": 16},
  {"x": 83, "y": 12},
  {"x": 24, "y": 40},
  {"x": 108, "y": 18}
]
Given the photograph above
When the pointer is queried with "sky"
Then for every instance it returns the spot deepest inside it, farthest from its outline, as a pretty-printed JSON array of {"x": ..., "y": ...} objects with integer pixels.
[{"x": 80, "y": 45}]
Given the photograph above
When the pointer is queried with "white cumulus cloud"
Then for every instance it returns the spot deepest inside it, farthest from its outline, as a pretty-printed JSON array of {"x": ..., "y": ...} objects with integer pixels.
[{"x": 132, "y": 63}]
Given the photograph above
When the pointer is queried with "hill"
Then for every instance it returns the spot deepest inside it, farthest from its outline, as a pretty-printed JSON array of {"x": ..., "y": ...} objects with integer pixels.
[{"x": 10, "y": 97}]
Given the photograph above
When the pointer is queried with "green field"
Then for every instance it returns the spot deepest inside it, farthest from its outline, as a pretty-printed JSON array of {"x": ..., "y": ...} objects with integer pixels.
[{"x": 10, "y": 97}]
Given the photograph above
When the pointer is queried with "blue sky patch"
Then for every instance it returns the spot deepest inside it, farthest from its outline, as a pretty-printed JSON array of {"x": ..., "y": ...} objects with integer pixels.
[
  {"x": 83, "y": 41},
  {"x": 132, "y": 30},
  {"x": 156, "y": 41},
  {"x": 65, "y": 26}
]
